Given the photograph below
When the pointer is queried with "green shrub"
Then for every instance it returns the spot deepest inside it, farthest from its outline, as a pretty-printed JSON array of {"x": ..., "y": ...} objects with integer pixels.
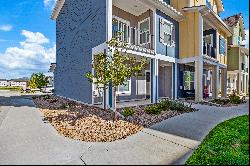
[
  {"x": 221, "y": 101},
  {"x": 153, "y": 109},
  {"x": 168, "y": 105},
  {"x": 46, "y": 97},
  {"x": 128, "y": 112},
  {"x": 235, "y": 99}
]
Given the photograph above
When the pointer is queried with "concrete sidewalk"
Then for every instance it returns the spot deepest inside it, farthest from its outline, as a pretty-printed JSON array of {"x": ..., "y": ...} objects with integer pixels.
[{"x": 26, "y": 139}]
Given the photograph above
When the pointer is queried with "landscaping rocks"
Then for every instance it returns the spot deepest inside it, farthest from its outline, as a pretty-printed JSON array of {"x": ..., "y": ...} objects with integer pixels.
[{"x": 93, "y": 124}]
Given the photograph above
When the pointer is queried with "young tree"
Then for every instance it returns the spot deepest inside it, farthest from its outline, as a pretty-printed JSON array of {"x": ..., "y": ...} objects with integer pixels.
[
  {"x": 38, "y": 80},
  {"x": 115, "y": 68}
]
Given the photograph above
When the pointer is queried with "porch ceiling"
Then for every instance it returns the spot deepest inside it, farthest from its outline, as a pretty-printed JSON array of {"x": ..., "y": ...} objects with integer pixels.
[{"x": 135, "y": 7}]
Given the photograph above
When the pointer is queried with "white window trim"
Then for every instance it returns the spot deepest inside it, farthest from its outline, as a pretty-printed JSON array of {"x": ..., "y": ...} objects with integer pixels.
[
  {"x": 188, "y": 81},
  {"x": 172, "y": 42},
  {"x": 125, "y": 93},
  {"x": 124, "y": 21},
  {"x": 225, "y": 45},
  {"x": 139, "y": 32}
]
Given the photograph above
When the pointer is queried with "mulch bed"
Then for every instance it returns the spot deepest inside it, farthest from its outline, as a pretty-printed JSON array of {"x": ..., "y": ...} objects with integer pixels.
[
  {"x": 93, "y": 124},
  {"x": 147, "y": 120}
]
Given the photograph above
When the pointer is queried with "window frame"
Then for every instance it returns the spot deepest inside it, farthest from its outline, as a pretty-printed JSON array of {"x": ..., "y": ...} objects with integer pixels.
[
  {"x": 139, "y": 31},
  {"x": 125, "y": 92},
  {"x": 189, "y": 82},
  {"x": 124, "y": 22},
  {"x": 164, "y": 22}
]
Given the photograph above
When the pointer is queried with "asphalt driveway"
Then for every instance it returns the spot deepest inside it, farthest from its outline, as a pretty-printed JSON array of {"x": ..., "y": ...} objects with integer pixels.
[{"x": 26, "y": 139}]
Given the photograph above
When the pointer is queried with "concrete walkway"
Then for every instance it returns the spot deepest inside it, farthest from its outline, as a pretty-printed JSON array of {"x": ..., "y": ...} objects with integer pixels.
[{"x": 26, "y": 139}]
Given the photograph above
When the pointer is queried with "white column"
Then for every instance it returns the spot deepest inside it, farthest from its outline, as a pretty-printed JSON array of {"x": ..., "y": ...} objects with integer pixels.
[
  {"x": 199, "y": 65},
  {"x": 154, "y": 81},
  {"x": 175, "y": 80},
  {"x": 199, "y": 80},
  {"x": 224, "y": 83},
  {"x": 109, "y": 13},
  {"x": 215, "y": 81}
]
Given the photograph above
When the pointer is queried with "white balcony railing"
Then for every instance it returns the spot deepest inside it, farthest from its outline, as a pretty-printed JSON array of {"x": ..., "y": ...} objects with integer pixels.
[{"x": 134, "y": 37}]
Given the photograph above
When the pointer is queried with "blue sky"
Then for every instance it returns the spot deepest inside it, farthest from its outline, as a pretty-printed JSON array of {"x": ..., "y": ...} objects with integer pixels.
[{"x": 27, "y": 34}]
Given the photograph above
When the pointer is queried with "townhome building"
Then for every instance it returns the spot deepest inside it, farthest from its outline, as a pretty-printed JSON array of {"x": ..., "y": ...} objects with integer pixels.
[
  {"x": 238, "y": 57},
  {"x": 185, "y": 42},
  {"x": 4, "y": 83}
]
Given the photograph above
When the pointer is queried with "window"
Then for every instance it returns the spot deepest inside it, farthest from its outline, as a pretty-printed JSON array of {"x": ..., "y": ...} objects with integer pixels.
[
  {"x": 120, "y": 25},
  {"x": 188, "y": 80},
  {"x": 144, "y": 31},
  {"x": 222, "y": 45},
  {"x": 125, "y": 88},
  {"x": 167, "y": 33}
]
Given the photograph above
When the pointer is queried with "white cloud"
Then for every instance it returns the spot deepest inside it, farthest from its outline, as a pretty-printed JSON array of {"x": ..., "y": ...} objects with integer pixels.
[
  {"x": 246, "y": 42},
  {"x": 49, "y": 3},
  {"x": 31, "y": 55},
  {"x": 6, "y": 28}
]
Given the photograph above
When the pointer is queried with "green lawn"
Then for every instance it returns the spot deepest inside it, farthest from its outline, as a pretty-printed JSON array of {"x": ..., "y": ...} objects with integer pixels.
[{"x": 226, "y": 144}]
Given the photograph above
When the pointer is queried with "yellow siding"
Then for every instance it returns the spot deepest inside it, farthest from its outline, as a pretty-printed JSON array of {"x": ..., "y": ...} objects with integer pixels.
[
  {"x": 189, "y": 32},
  {"x": 180, "y": 4}
]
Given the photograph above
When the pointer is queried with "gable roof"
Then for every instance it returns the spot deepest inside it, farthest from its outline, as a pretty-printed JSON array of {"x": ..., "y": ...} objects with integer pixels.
[{"x": 232, "y": 21}]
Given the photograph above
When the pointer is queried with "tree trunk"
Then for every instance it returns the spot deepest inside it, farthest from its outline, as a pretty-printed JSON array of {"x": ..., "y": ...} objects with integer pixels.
[
  {"x": 114, "y": 105},
  {"x": 105, "y": 98}
]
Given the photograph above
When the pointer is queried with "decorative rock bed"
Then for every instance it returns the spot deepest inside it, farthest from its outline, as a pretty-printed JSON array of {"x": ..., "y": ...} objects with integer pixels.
[{"x": 92, "y": 124}]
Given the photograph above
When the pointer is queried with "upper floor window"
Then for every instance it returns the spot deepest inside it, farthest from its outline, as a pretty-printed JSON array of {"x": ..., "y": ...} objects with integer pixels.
[
  {"x": 222, "y": 45},
  {"x": 167, "y": 33},
  {"x": 144, "y": 31},
  {"x": 120, "y": 25}
]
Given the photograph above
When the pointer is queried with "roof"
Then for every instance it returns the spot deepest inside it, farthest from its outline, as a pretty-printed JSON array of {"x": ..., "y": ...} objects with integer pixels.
[
  {"x": 233, "y": 20},
  {"x": 207, "y": 12},
  {"x": 59, "y": 4}
]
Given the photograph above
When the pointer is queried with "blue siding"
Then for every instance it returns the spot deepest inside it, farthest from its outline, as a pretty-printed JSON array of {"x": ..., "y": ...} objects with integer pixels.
[
  {"x": 81, "y": 25},
  {"x": 161, "y": 48}
]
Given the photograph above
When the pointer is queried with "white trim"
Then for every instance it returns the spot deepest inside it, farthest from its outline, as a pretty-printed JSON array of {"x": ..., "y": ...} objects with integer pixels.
[
  {"x": 109, "y": 11},
  {"x": 124, "y": 50},
  {"x": 124, "y": 22},
  {"x": 154, "y": 29},
  {"x": 139, "y": 31},
  {"x": 57, "y": 9},
  {"x": 165, "y": 58},
  {"x": 171, "y": 29},
  {"x": 125, "y": 93},
  {"x": 188, "y": 60},
  {"x": 99, "y": 49}
]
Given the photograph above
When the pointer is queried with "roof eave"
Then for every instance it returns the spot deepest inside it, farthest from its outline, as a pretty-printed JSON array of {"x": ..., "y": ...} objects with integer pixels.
[{"x": 57, "y": 9}]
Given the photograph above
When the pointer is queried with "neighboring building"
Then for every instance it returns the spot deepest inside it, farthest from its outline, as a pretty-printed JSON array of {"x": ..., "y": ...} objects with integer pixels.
[
  {"x": 18, "y": 83},
  {"x": 238, "y": 57},
  {"x": 4, "y": 83},
  {"x": 184, "y": 40},
  {"x": 52, "y": 75}
]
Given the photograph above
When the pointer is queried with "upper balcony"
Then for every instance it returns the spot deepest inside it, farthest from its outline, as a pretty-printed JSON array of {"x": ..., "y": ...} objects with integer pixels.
[{"x": 135, "y": 20}]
